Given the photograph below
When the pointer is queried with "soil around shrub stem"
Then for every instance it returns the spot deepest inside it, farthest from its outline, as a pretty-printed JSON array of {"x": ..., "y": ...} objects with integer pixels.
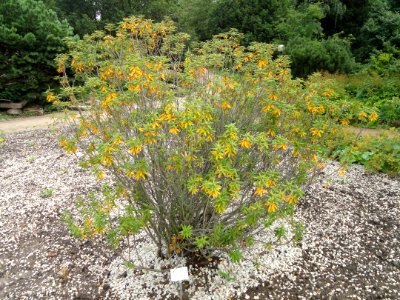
[{"x": 350, "y": 248}]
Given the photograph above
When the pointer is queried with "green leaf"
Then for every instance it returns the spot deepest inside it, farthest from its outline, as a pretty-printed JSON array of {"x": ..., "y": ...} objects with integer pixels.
[
  {"x": 186, "y": 231},
  {"x": 280, "y": 232},
  {"x": 201, "y": 242},
  {"x": 235, "y": 255}
]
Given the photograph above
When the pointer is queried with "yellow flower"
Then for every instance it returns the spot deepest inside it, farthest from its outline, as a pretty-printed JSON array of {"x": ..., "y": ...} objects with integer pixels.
[
  {"x": 101, "y": 175},
  {"x": 135, "y": 149},
  {"x": 134, "y": 87},
  {"x": 174, "y": 130},
  {"x": 106, "y": 160},
  {"x": 262, "y": 63},
  {"x": 268, "y": 107},
  {"x": 149, "y": 77},
  {"x": 291, "y": 199},
  {"x": 225, "y": 105},
  {"x": 63, "y": 143},
  {"x": 155, "y": 125},
  {"x": 270, "y": 183},
  {"x": 60, "y": 69},
  {"x": 373, "y": 117},
  {"x": 260, "y": 191},
  {"x": 328, "y": 93},
  {"x": 71, "y": 148},
  {"x": 108, "y": 99},
  {"x": 271, "y": 132},
  {"x": 342, "y": 171},
  {"x": 273, "y": 97},
  {"x": 95, "y": 130},
  {"x": 205, "y": 132},
  {"x": 362, "y": 115},
  {"x": 137, "y": 174},
  {"x": 135, "y": 73},
  {"x": 277, "y": 112},
  {"x": 217, "y": 154},
  {"x": 313, "y": 109},
  {"x": 345, "y": 122},
  {"x": 185, "y": 124},
  {"x": 229, "y": 151},
  {"x": 167, "y": 117},
  {"x": 140, "y": 174},
  {"x": 50, "y": 97},
  {"x": 245, "y": 143},
  {"x": 213, "y": 193},
  {"x": 272, "y": 207},
  {"x": 316, "y": 132}
]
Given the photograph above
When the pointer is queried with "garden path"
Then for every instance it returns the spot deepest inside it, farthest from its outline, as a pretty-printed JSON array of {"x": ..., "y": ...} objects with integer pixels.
[{"x": 29, "y": 123}]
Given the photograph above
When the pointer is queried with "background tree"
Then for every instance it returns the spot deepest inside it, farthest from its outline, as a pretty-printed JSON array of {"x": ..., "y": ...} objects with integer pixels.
[
  {"x": 87, "y": 16},
  {"x": 31, "y": 36},
  {"x": 310, "y": 51}
]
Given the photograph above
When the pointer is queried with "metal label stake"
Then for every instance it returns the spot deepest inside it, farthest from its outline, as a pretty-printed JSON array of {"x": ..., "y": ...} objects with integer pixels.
[{"x": 179, "y": 275}]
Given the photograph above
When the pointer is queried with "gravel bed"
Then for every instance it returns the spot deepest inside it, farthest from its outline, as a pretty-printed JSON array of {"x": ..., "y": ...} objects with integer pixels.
[{"x": 350, "y": 249}]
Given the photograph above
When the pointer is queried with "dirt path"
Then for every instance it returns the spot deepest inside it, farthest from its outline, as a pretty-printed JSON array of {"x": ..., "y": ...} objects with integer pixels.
[{"x": 29, "y": 123}]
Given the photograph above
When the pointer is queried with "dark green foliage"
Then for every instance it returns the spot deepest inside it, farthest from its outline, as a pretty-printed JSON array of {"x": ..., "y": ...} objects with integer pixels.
[
  {"x": 380, "y": 32},
  {"x": 31, "y": 36},
  {"x": 308, "y": 56},
  {"x": 309, "y": 51},
  {"x": 87, "y": 16}
]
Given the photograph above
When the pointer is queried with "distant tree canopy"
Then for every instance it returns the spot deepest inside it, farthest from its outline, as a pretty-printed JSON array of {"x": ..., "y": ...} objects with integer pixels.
[
  {"x": 31, "y": 36},
  {"x": 86, "y": 16},
  {"x": 327, "y": 35},
  {"x": 295, "y": 24},
  {"x": 319, "y": 35}
]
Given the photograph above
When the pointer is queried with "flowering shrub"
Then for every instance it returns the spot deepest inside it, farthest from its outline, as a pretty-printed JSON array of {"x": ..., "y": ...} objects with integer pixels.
[{"x": 204, "y": 147}]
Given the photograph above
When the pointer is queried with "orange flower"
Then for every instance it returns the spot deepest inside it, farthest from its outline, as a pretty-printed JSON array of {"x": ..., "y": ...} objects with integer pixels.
[
  {"x": 362, "y": 115},
  {"x": 245, "y": 143},
  {"x": 291, "y": 199},
  {"x": 174, "y": 130},
  {"x": 225, "y": 105},
  {"x": 135, "y": 149},
  {"x": 272, "y": 207},
  {"x": 345, "y": 122},
  {"x": 316, "y": 132},
  {"x": 260, "y": 191},
  {"x": 262, "y": 63},
  {"x": 273, "y": 97},
  {"x": 373, "y": 117}
]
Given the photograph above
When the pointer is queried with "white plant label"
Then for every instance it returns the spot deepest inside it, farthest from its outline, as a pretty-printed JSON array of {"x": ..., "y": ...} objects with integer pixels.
[{"x": 179, "y": 274}]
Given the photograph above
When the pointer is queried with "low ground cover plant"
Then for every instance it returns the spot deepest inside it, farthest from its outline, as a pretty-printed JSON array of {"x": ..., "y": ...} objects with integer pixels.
[
  {"x": 375, "y": 87},
  {"x": 379, "y": 153},
  {"x": 205, "y": 147}
]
